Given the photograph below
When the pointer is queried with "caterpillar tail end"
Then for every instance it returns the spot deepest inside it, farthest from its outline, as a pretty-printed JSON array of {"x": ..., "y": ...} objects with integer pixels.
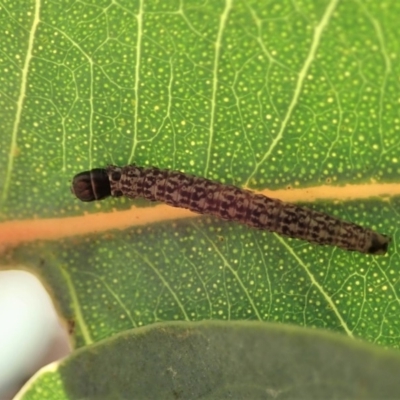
[{"x": 378, "y": 244}]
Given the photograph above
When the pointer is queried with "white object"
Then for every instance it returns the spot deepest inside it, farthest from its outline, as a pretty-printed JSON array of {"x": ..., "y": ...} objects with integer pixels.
[{"x": 30, "y": 332}]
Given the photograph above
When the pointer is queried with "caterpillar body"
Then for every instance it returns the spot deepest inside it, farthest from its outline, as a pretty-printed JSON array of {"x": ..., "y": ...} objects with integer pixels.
[{"x": 228, "y": 202}]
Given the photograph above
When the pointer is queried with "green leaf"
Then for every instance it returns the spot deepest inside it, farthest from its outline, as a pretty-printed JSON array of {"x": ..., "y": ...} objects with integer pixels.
[
  {"x": 214, "y": 360},
  {"x": 266, "y": 95}
]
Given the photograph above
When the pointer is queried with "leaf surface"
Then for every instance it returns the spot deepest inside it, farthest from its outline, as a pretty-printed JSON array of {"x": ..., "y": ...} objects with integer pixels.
[
  {"x": 214, "y": 360},
  {"x": 266, "y": 95}
]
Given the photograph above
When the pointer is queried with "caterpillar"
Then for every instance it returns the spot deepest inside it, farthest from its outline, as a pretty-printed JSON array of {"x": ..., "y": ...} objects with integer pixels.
[{"x": 228, "y": 202}]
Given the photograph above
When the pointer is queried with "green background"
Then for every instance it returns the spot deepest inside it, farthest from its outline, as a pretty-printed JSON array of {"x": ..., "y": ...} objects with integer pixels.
[{"x": 263, "y": 94}]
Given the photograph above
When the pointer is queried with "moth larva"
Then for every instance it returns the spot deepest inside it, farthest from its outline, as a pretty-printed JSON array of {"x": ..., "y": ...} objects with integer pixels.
[{"x": 228, "y": 202}]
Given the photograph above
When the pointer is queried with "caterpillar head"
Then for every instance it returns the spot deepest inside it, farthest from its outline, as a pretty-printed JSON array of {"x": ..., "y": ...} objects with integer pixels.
[{"x": 91, "y": 185}]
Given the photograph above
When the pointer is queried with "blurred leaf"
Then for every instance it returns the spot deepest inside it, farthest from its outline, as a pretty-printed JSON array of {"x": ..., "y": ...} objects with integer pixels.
[{"x": 214, "y": 360}]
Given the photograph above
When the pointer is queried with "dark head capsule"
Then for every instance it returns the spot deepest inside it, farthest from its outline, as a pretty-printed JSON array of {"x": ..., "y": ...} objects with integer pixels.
[{"x": 91, "y": 185}]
